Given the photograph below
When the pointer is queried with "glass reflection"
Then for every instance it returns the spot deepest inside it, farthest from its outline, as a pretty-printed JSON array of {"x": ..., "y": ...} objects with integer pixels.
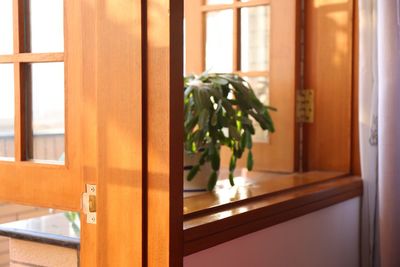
[
  {"x": 6, "y": 27},
  {"x": 46, "y": 21},
  {"x": 219, "y": 41},
  {"x": 46, "y": 139},
  {"x": 255, "y": 38},
  {"x": 6, "y": 111},
  {"x": 260, "y": 86}
]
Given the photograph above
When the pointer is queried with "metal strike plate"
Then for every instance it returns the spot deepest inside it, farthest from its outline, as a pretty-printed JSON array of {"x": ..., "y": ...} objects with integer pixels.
[
  {"x": 89, "y": 203},
  {"x": 305, "y": 106}
]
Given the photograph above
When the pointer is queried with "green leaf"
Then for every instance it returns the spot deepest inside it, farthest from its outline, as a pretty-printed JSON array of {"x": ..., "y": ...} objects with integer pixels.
[
  {"x": 192, "y": 173},
  {"x": 250, "y": 161},
  {"x": 231, "y": 179},
  {"x": 223, "y": 140},
  {"x": 214, "y": 155},
  {"x": 212, "y": 181},
  {"x": 228, "y": 108},
  {"x": 215, "y": 161},
  {"x": 233, "y": 133},
  {"x": 190, "y": 124},
  {"x": 215, "y": 92},
  {"x": 188, "y": 79},
  {"x": 214, "y": 119},
  {"x": 204, "y": 76},
  {"x": 243, "y": 139},
  {"x": 260, "y": 119},
  {"x": 224, "y": 121},
  {"x": 203, "y": 119},
  {"x": 233, "y": 102},
  {"x": 243, "y": 101},
  {"x": 197, "y": 100},
  {"x": 219, "y": 106},
  {"x": 203, "y": 157},
  {"x": 232, "y": 163},
  {"x": 249, "y": 143},
  {"x": 76, "y": 228},
  {"x": 220, "y": 81},
  {"x": 246, "y": 121},
  {"x": 188, "y": 90},
  {"x": 205, "y": 98},
  {"x": 238, "y": 151}
]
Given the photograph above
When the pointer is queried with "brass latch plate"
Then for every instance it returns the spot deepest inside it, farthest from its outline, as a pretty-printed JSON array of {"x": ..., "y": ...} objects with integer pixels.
[{"x": 89, "y": 203}]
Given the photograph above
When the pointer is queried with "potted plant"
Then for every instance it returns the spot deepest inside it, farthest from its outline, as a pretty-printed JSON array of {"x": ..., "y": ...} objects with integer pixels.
[{"x": 220, "y": 110}]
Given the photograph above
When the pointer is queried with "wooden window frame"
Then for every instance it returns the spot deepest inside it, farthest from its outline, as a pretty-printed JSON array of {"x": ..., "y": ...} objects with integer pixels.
[
  {"x": 235, "y": 6},
  {"x": 345, "y": 150},
  {"x": 280, "y": 153}
]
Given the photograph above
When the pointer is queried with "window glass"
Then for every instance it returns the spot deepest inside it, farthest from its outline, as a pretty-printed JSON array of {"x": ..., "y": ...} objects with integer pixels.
[
  {"x": 260, "y": 86},
  {"x": 6, "y": 111},
  {"x": 46, "y": 21},
  {"x": 6, "y": 27},
  {"x": 46, "y": 138},
  {"x": 255, "y": 38},
  {"x": 219, "y": 41}
]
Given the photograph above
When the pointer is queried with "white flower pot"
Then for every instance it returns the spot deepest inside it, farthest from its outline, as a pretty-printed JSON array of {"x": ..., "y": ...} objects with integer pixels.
[{"x": 200, "y": 181}]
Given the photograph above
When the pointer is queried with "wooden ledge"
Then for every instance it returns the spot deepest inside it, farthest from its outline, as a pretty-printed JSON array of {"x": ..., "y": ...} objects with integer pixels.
[{"x": 214, "y": 218}]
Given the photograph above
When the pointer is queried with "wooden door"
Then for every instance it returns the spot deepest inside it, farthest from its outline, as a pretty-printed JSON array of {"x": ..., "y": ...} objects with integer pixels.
[
  {"x": 98, "y": 98},
  {"x": 219, "y": 39},
  {"x": 43, "y": 165}
]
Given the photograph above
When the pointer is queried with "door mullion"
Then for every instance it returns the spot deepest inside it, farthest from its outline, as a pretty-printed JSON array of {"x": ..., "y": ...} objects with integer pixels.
[{"x": 19, "y": 78}]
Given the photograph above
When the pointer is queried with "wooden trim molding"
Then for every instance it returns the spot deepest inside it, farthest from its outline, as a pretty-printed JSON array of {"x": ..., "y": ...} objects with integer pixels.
[
  {"x": 355, "y": 144},
  {"x": 118, "y": 131},
  {"x": 29, "y": 57},
  {"x": 164, "y": 132},
  {"x": 231, "y": 220},
  {"x": 253, "y": 185},
  {"x": 328, "y": 71}
]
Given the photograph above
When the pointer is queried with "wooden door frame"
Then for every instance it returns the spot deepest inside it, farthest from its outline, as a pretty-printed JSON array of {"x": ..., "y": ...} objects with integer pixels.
[
  {"x": 112, "y": 132},
  {"x": 164, "y": 105},
  {"x": 148, "y": 105}
]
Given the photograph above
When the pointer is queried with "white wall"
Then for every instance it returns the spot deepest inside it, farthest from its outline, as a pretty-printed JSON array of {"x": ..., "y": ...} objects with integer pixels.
[{"x": 325, "y": 238}]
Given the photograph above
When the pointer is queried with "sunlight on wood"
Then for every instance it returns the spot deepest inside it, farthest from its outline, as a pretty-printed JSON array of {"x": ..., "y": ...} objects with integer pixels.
[
  {"x": 323, "y": 3},
  {"x": 156, "y": 23}
]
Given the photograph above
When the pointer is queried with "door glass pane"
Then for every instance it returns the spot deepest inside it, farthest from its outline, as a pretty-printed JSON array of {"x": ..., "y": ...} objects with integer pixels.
[
  {"x": 46, "y": 21},
  {"x": 6, "y": 27},
  {"x": 255, "y": 38},
  {"x": 51, "y": 224},
  {"x": 6, "y": 111},
  {"x": 213, "y": 2},
  {"x": 46, "y": 137},
  {"x": 260, "y": 86},
  {"x": 219, "y": 41}
]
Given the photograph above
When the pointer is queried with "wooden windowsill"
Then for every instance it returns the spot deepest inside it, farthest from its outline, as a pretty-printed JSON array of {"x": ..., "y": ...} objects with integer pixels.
[{"x": 258, "y": 201}]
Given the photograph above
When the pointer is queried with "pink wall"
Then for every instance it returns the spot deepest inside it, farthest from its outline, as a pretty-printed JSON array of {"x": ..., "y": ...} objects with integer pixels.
[{"x": 328, "y": 238}]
